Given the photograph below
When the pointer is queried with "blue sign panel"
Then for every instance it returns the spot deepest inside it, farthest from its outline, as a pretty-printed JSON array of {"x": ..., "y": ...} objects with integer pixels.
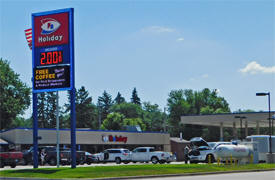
[{"x": 53, "y": 61}]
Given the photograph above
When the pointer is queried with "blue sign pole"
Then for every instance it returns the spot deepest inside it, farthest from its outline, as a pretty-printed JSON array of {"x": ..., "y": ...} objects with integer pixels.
[
  {"x": 35, "y": 132},
  {"x": 73, "y": 136},
  {"x": 73, "y": 119}
]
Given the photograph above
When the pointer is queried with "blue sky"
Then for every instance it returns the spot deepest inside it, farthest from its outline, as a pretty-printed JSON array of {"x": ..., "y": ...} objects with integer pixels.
[{"x": 159, "y": 46}]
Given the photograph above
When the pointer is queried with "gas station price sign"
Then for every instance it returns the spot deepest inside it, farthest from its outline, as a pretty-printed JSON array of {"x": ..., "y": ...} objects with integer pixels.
[{"x": 53, "y": 61}]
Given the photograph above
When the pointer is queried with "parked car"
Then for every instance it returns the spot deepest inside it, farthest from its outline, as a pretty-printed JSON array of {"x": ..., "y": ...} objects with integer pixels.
[
  {"x": 91, "y": 158},
  {"x": 202, "y": 151},
  {"x": 9, "y": 158},
  {"x": 117, "y": 155},
  {"x": 146, "y": 154},
  {"x": 51, "y": 157}
]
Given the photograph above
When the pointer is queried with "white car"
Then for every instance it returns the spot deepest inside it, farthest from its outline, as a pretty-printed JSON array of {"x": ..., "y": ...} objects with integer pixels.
[
  {"x": 146, "y": 154},
  {"x": 202, "y": 151},
  {"x": 115, "y": 155}
]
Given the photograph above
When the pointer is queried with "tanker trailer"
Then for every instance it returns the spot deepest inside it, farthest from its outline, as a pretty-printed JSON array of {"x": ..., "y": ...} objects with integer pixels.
[{"x": 241, "y": 153}]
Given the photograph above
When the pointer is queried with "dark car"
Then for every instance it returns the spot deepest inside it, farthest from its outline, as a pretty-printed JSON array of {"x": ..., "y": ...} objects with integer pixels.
[{"x": 50, "y": 155}]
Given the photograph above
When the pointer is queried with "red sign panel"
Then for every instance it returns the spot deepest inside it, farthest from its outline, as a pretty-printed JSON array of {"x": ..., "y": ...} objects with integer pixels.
[{"x": 51, "y": 30}]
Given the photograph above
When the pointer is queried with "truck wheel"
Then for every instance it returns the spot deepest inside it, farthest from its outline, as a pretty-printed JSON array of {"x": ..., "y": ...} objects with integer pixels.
[
  {"x": 162, "y": 162},
  {"x": 154, "y": 160},
  {"x": 118, "y": 160},
  {"x": 1, "y": 163},
  {"x": 13, "y": 165},
  {"x": 52, "y": 162}
]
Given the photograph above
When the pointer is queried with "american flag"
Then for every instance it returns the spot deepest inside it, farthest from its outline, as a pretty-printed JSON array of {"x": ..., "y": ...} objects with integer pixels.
[{"x": 28, "y": 33}]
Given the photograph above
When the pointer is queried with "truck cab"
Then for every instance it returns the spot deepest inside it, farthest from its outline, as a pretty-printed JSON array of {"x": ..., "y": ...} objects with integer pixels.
[{"x": 146, "y": 154}]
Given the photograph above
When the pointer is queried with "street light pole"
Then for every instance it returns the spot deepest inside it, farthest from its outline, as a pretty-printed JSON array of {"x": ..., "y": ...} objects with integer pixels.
[
  {"x": 241, "y": 125},
  {"x": 269, "y": 118}
]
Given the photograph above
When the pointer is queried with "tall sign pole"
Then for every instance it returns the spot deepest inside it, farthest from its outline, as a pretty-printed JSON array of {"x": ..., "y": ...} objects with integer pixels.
[
  {"x": 53, "y": 63},
  {"x": 35, "y": 131},
  {"x": 57, "y": 130},
  {"x": 73, "y": 116}
]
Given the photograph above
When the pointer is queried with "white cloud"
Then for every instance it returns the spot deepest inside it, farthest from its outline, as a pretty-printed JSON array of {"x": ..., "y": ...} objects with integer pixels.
[
  {"x": 205, "y": 76},
  {"x": 158, "y": 29},
  {"x": 180, "y": 39},
  {"x": 254, "y": 68}
]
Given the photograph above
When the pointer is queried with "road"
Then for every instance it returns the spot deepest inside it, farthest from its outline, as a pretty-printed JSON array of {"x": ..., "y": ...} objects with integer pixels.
[{"x": 264, "y": 175}]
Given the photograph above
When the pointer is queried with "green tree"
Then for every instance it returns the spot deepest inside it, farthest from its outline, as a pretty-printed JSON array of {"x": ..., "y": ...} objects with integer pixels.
[
  {"x": 41, "y": 110},
  {"x": 134, "y": 122},
  {"x": 114, "y": 121},
  {"x": 177, "y": 107},
  {"x": 135, "y": 99},
  {"x": 153, "y": 117},
  {"x": 104, "y": 104},
  {"x": 46, "y": 109},
  {"x": 14, "y": 95},
  {"x": 119, "y": 99},
  {"x": 86, "y": 111},
  {"x": 22, "y": 122},
  {"x": 129, "y": 110},
  {"x": 188, "y": 102}
]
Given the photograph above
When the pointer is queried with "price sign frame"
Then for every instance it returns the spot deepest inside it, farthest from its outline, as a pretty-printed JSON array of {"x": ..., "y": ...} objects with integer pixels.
[{"x": 53, "y": 51}]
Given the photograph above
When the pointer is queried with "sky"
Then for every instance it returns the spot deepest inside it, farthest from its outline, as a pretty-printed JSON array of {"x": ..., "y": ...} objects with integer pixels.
[{"x": 158, "y": 46}]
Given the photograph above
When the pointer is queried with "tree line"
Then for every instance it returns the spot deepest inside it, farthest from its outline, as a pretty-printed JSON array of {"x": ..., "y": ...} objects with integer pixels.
[{"x": 110, "y": 113}]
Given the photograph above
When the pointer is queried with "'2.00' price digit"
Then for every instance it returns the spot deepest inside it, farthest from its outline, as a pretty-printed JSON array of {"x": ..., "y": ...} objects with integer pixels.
[{"x": 48, "y": 58}]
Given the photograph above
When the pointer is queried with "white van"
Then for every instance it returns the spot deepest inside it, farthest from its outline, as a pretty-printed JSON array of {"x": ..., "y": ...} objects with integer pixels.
[{"x": 263, "y": 145}]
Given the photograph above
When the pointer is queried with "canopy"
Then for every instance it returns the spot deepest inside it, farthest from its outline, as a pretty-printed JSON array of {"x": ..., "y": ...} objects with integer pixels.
[{"x": 228, "y": 119}]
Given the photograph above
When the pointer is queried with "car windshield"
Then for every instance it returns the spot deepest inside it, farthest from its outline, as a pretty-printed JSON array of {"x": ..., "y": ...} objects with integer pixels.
[
  {"x": 211, "y": 144},
  {"x": 126, "y": 151}
]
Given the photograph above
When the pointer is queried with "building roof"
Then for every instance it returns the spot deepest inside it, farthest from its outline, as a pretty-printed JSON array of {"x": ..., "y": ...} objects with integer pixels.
[
  {"x": 228, "y": 118},
  {"x": 178, "y": 140},
  {"x": 2, "y": 141}
]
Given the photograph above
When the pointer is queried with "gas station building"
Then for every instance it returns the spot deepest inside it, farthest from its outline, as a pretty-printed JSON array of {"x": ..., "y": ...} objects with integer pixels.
[
  {"x": 232, "y": 120},
  {"x": 88, "y": 140}
]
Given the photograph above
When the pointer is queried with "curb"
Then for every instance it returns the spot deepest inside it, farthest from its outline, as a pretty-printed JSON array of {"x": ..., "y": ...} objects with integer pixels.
[
  {"x": 146, "y": 176},
  {"x": 185, "y": 174}
]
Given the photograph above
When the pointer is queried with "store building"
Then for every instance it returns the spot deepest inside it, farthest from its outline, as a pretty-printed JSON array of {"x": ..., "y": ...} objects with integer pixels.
[{"x": 88, "y": 140}]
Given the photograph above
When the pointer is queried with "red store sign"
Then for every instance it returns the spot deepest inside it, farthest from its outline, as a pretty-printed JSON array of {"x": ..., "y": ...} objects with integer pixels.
[
  {"x": 111, "y": 138},
  {"x": 51, "y": 30}
]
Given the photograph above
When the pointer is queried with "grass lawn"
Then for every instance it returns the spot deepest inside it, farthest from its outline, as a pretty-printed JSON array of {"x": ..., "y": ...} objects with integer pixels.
[{"x": 130, "y": 170}]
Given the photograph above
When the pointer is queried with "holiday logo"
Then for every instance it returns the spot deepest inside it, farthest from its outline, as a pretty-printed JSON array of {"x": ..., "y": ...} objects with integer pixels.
[
  {"x": 49, "y": 26},
  {"x": 111, "y": 138}
]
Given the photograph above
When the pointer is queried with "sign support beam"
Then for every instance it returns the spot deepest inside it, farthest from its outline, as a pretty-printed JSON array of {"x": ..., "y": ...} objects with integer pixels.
[
  {"x": 35, "y": 131},
  {"x": 73, "y": 133}
]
